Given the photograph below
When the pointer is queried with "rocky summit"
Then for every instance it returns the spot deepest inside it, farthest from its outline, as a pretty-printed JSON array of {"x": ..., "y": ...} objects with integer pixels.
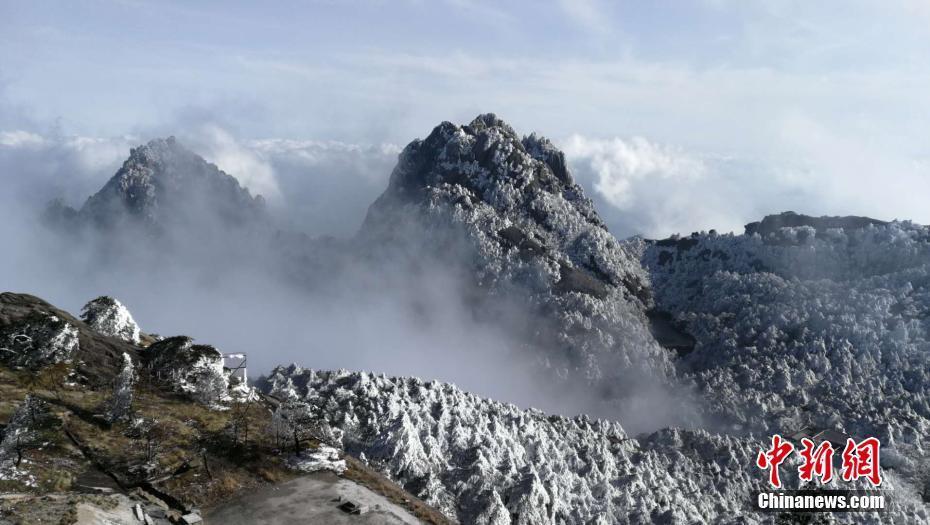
[
  {"x": 507, "y": 208},
  {"x": 162, "y": 186}
]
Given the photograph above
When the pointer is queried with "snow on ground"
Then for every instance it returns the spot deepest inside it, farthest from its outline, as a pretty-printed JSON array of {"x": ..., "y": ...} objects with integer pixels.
[{"x": 315, "y": 460}]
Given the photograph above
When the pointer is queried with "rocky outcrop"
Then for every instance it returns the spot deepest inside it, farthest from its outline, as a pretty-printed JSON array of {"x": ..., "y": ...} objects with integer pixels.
[
  {"x": 789, "y": 219},
  {"x": 109, "y": 317},
  {"x": 53, "y": 335},
  {"x": 35, "y": 334},
  {"x": 38, "y": 340}
]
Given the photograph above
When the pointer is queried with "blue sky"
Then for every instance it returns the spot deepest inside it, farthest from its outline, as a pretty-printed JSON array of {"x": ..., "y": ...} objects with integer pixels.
[{"x": 676, "y": 115}]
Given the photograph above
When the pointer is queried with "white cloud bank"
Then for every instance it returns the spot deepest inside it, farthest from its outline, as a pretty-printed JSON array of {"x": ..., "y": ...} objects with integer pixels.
[
  {"x": 20, "y": 138},
  {"x": 640, "y": 186},
  {"x": 318, "y": 187},
  {"x": 621, "y": 165},
  {"x": 651, "y": 189},
  {"x": 252, "y": 169}
]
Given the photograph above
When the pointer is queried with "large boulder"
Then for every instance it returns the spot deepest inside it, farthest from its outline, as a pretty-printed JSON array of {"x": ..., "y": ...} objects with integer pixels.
[
  {"x": 38, "y": 340},
  {"x": 109, "y": 317}
]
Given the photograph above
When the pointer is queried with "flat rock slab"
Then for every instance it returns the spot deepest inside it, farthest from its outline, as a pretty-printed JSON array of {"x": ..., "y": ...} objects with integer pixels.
[
  {"x": 314, "y": 498},
  {"x": 122, "y": 514}
]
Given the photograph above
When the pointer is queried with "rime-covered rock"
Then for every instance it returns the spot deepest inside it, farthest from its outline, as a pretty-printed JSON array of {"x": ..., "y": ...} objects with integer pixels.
[
  {"x": 323, "y": 457},
  {"x": 109, "y": 317},
  {"x": 96, "y": 359},
  {"x": 196, "y": 370},
  {"x": 38, "y": 340},
  {"x": 507, "y": 210}
]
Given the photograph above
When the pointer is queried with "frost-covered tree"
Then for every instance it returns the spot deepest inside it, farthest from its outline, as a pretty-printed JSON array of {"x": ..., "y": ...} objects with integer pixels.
[
  {"x": 151, "y": 433},
  {"x": 210, "y": 389},
  {"x": 240, "y": 410},
  {"x": 21, "y": 432},
  {"x": 495, "y": 513},
  {"x": 119, "y": 405},
  {"x": 298, "y": 421}
]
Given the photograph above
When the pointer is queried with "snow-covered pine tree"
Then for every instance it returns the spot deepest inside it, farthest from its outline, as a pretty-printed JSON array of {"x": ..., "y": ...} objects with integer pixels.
[{"x": 119, "y": 406}]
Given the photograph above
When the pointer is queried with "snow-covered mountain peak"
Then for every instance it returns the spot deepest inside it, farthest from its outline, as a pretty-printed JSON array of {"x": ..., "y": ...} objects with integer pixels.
[
  {"x": 162, "y": 181},
  {"x": 489, "y": 162},
  {"x": 506, "y": 209}
]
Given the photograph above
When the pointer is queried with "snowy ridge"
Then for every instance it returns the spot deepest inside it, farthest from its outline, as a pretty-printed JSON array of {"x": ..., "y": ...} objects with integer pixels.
[
  {"x": 832, "y": 325},
  {"x": 488, "y": 462},
  {"x": 810, "y": 328}
]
